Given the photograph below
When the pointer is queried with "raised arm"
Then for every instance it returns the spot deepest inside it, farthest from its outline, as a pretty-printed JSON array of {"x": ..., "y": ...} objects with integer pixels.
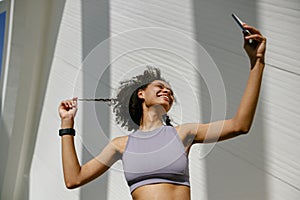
[
  {"x": 241, "y": 122},
  {"x": 74, "y": 174},
  {"x": 245, "y": 113}
]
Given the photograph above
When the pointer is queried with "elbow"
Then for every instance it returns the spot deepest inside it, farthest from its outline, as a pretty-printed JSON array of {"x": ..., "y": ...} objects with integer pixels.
[
  {"x": 72, "y": 184},
  {"x": 241, "y": 129}
]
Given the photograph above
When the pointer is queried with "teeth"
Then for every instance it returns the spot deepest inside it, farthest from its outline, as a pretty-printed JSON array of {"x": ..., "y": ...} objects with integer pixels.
[{"x": 163, "y": 95}]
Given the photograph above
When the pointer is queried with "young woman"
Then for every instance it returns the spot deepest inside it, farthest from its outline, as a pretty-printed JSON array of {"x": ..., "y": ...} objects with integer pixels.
[{"x": 154, "y": 156}]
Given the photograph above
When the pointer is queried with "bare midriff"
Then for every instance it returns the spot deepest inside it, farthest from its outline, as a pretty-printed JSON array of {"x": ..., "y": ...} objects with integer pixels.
[{"x": 165, "y": 191}]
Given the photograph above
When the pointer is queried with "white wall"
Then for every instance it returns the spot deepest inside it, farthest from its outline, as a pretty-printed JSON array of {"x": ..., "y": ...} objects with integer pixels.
[
  {"x": 29, "y": 58},
  {"x": 261, "y": 165}
]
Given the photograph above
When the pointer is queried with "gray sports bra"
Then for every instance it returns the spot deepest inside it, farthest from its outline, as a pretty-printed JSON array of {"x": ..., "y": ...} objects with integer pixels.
[{"x": 156, "y": 156}]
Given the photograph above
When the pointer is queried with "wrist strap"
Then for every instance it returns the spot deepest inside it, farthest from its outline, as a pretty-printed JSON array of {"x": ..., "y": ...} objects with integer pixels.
[{"x": 66, "y": 131}]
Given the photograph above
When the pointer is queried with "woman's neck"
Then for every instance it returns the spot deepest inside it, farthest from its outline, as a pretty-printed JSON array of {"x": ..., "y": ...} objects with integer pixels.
[{"x": 152, "y": 118}]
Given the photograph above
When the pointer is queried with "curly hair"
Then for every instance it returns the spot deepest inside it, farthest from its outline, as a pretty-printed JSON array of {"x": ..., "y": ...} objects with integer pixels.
[{"x": 128, "y": 107}]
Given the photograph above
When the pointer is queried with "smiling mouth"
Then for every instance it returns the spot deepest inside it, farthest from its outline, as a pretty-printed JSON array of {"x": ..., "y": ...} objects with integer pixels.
[{"x": 165, "y": 97}]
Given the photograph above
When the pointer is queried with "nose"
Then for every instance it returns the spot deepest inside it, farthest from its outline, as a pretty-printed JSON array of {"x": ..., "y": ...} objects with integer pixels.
[
  {"x": 169, "y": 92},
  {"x": 166, "y": 90}
]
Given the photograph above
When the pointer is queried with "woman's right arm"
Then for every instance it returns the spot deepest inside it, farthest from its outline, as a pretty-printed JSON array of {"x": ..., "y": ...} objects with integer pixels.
[{"x": 74, "y": 174}]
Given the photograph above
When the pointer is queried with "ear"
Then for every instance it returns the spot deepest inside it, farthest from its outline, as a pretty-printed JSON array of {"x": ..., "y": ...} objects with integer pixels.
[{"x": 141, "y": 94}]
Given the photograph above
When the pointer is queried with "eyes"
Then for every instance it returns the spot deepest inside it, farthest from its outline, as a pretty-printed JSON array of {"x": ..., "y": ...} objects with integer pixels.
[{"x": 160, "y": 86}]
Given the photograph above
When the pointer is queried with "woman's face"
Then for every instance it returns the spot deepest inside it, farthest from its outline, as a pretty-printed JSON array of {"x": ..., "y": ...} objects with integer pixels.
[{"x": 157, "y": 92}]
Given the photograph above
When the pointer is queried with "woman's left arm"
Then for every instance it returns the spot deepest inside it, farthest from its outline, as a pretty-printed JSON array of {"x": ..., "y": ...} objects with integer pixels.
[
  {"x": 241, "y": 122},
  {"x": 246, "y": 110}
]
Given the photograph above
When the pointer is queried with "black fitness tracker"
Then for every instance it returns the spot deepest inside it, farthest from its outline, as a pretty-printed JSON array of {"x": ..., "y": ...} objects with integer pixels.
[{"x": 67, "y": 131}]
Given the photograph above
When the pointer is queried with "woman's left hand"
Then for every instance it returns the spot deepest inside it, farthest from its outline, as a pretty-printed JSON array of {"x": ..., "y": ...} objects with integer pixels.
[{"x": 256, "y": 51}]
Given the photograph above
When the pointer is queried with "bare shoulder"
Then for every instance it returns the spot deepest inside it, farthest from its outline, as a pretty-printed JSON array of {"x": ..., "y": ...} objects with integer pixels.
[{"x": 120, "y": 143}]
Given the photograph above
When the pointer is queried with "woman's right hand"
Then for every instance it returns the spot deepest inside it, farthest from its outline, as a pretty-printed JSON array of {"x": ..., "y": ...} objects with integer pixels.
[{"x": 67, "y": 109}]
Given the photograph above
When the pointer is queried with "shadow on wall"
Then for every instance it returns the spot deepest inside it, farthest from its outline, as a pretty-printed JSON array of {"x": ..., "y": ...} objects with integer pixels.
[
  {"x": 95, "y": 29},
  {"x": 235, "y": 167},
  {"x": 53, "y": 17}
]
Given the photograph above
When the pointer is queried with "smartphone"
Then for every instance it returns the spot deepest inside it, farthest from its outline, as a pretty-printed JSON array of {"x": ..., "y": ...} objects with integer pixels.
[
  {"x": 240, "y": 23},
  {"x": 245, "y": 31}
]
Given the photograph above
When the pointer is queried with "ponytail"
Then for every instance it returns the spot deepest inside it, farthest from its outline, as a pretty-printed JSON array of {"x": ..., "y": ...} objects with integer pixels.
[
  {"x": 166, "y": 119},
  {"x": 109, "y": 101}
]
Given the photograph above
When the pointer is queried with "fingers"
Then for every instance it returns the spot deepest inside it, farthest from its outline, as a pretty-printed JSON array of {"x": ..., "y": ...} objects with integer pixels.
[
  {"x": 255, "y": 34},
  {"x": 74, "y": 102},
  {"x": 69, "y": 104},
  {"x": 252, "y": 29},
  {"x": 256, "y": 37}
]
